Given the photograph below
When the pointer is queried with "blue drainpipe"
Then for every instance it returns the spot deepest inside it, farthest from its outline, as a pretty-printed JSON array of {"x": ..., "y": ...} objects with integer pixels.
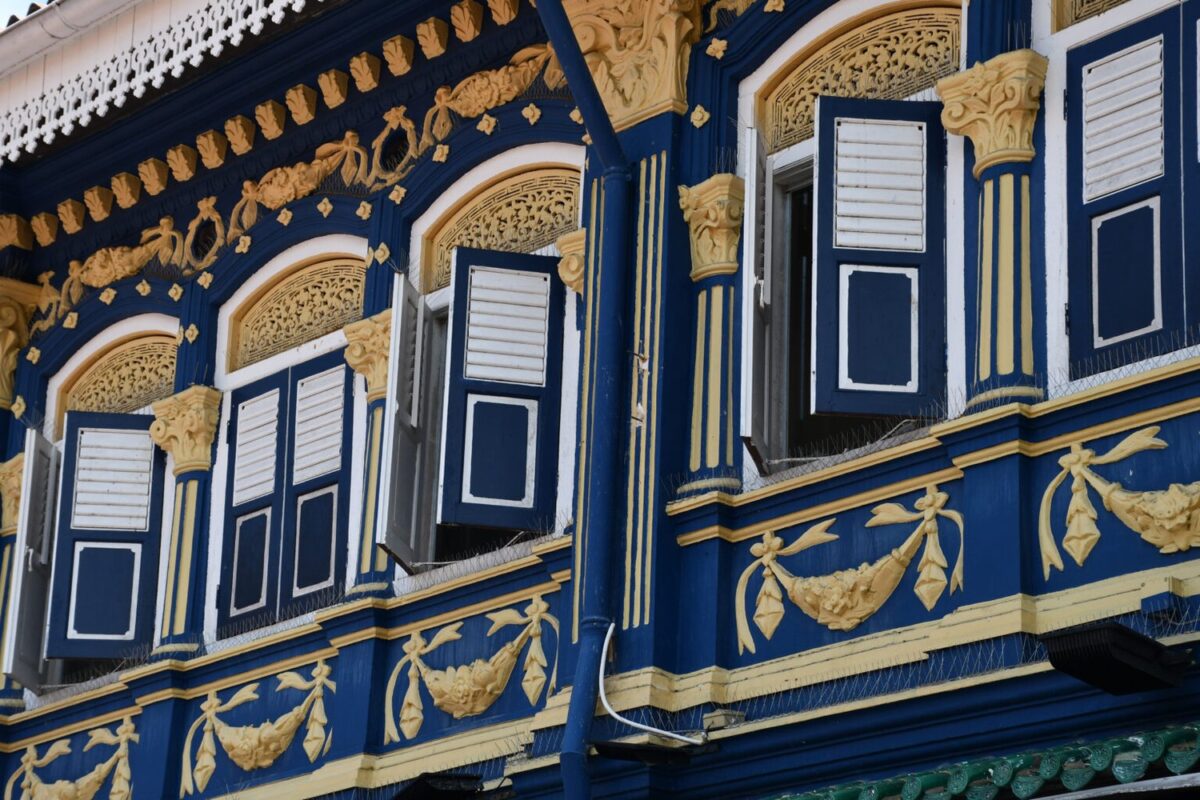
[{"x": 603, "y": 509}]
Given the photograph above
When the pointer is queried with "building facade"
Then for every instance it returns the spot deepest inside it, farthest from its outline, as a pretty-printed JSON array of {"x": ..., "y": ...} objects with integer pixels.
[{"x": 614, "y": 398}]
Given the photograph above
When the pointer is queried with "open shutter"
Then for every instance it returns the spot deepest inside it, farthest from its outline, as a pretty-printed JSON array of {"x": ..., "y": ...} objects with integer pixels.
[
  {"x": 30, "y": 554},
  {"x": 878, "y": 342},
  {"x": 755, "y": 302},
  {"x": 500, "y": 443},
  {"x": 313, "y": 548},
  {"x": 1125, "y": 247},
  {"x": 399, "y": 530},
  {"x": 109, "y": 523},
  {"x": 249, "y": 561}
]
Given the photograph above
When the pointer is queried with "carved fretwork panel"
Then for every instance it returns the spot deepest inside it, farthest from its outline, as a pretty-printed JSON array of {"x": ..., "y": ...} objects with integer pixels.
[
  {"x": 131, "y": 375},
  {"x": 311, "y": 301},
  {"x": 1068, "y": 12},
  {"x": 891, "y": 57},
  {"x": 518, "y": 214}
]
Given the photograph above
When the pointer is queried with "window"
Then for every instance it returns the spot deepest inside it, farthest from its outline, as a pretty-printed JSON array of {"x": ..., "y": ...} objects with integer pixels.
[
  {"x": 847, "y": 259},
  {"x": 286, "y": 521},
  {"x": 472, "y": 439},
  {"x": 1129, "y": 288}
]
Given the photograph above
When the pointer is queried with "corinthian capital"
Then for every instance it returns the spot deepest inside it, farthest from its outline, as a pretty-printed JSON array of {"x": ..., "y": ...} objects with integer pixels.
[
  {"x": 17, "y": 301},
  {"x": 367, "y": 351},
  {"x": 10, "y": 493},
  {"x": 572, "y": 247},
  {"x": 712, "y": 210},
  {"x": 185, "y": 424},
  {"x": 995, "y": 105}
]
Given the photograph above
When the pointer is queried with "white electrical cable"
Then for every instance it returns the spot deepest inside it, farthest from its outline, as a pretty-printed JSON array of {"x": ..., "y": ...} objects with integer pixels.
[{"x": 679, "y": 737}]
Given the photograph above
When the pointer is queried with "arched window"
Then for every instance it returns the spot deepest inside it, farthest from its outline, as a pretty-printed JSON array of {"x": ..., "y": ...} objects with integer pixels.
[{"x": 282, "y": 491}]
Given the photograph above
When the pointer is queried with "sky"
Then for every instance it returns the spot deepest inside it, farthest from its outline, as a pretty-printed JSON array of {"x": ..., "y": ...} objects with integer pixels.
[{"x": 10, "y": 7}]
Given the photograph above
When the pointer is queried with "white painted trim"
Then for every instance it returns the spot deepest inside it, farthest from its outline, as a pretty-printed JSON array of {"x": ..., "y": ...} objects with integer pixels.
[
  {"x": 233, "y": 572},
  {"x": 358, "y": 470},
  {"x": 564, "y": 508},
  {"x": 164, "y": 544},
  {"x": 1055, "y": 46},
  {"x": 146, "y": 324},
  {"x": 136, "y": 549},
  {"x": 296, "y": 591},
  {"x": 956, "y": 271},
  {"x": 216, "y": 518},
  {"x": 844, "y": 380},
  {"x": 527, "y": 155},
  {"x": 1153, "y": 204},
  {"x": 531, "y": 432},
  {"x": 332, "y": 246}
]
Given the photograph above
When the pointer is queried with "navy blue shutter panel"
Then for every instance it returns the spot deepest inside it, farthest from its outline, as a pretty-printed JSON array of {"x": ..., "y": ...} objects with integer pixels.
[
  {"x": 254, "y": 499},
  {"x": 316, "y": 501},
  {"x": 105, "y": 570},
  {"x": 504, "y": 375},
  {"x": 1126, "y": 284},
  {"x": 878, "y": 334},
  {"x": 31, "y": 554}
]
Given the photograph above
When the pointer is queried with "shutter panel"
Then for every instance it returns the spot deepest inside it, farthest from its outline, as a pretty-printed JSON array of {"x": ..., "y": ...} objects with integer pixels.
[
  {"x": 254, "y": 504},
  {"x": 500, "y": 443},
  {"x": 755, "y": 303},
  {"x": 878, "y": 340},
  {"x": 316, "y": 511},
  {"x": 30, "y": 554},
  {"x": 1125, "y": 279},
  {"x": 399, "y": 530},
  {"x": 105, "y": 569}
]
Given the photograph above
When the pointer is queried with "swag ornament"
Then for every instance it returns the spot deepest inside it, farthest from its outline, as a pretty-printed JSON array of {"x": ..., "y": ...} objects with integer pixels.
[
  {"x": 471, "y": 689},
  {"x": 1167, "y": 518},
  {"x": 115, "y": 766},
  {"x": 843, "y": 600},
  {"x": 253, "y": 747}
]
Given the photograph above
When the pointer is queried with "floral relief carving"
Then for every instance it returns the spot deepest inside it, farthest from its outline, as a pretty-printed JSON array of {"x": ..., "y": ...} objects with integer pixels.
[
  {"x": 637, "y": 52},
  {"x": 471, "y": 689},
  {"x": 1068, "y": 12},
  {"x": 314, "y": 300},
  {"x": 844, "y": 599},
  {"x": 520, "y": 214},
  {"x": 889, "y": 58},
  {"x": 1167, "y": 518},
  {"x": 116, "y": 767},
  {"x": 130, "y": 376},
  {"x": 253, "y": 747}
]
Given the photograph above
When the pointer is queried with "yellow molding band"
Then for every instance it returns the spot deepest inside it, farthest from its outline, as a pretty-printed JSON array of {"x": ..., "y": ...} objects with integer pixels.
[
  {"x": 69, "y": 730},
  {"x": 813, "y": 512}
]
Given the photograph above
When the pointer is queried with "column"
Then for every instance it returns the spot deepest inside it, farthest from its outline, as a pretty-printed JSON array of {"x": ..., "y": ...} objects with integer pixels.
[
  {"x": 995, "y": 105},
  {"x": 11, "y": 472},
  {"x": 713, "y": 211},
  {"x": 367, "y": 354},
  {"x": 185, "y": 426}
]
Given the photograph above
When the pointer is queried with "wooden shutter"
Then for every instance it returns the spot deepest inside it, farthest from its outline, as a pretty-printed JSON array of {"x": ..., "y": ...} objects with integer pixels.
[
  {"x": 878, "y": 339},
  {"x": 106, "y": 555},
  {"x": 1126, "y": 285},
  {"x": 254, "y": 505},
  {"x": 316, "y": 502},
  {"x": 399, "y": 530},
  {"x": 30, "y": 553},
  {"x": 500, "y": 443}
]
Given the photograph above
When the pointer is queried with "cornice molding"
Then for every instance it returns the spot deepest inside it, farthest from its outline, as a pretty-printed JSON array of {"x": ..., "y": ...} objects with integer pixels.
[
  {"x": 713, "y": 211},
  {"x": 185, "y": 425},
  {"x": 995, "y": 105}
]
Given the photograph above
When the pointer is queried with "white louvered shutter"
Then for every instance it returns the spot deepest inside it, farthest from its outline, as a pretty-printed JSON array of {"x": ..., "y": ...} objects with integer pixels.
[
  {"x": 879, "y": 184},
  {"x": 113, "y": 479},
  {"x": 507, "y": 319},
  {"x": 319, "y": 417},
  {"x": 1123, "y": 134},
  {"x": 256, "y": 447}
]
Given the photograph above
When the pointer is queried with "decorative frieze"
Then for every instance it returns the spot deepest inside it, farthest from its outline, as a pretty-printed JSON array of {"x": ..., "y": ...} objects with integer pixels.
[
  {"x": 99, "y": 200},
  {"x": 572, "y": 249},
  {"x": 995, "y": 105},
  {"x": 334, "y": 85},
  {"x": 10, "y": 493},
  {"x": 45, "y": 228},
  {"x": 467, "y": 18},
  {"x": 17, "y": 301},
  {"x": 15, "y": 232},
  {"x": 364, "y": 68},
  {"x": 127, "y": 377},
  {"x": 240, "y": 131},
  {"x": 713, "y": 212},
  {"x": 70, "y": 214},
  {"x": 302, "y": 103},
  {"x": 184, "y": 426},
  {"x": 182, "y": 160},
  {"x": 126, "y": 188},
  {"x": 398, "y": 51},
  {"x": 432, "y": 35},
  {"x": 153, "y": 174},
  {"x": 212, "y": 146},
  {"x": 367, "y": 351},
  {"x": 270, "y": 117}
]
